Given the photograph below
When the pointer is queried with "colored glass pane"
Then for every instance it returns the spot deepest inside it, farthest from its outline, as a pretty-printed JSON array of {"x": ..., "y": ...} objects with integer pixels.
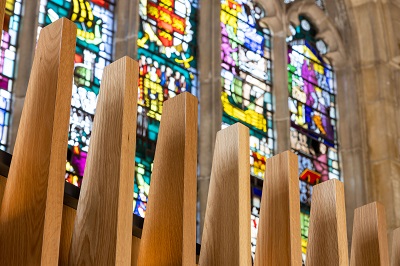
[
  {"x": 312, "y": 105},
  {"x": 95, "y": 22},
  {"x": 168, "y": 66},
  {"x": 247, "y": 84},
  {"x": 8, "y": 55}
]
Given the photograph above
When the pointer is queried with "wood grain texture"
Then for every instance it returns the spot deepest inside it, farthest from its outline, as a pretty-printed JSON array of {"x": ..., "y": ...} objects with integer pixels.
[
  {"x": 395, "y": 261},
  {"x": 226, "y": 234},
  {"x": 67, "y": 228},
  {"x": 3, "y": 182},
  {"x": 369, "y": 245},
  {"x": 2, "y": 11},
  {"x": 327, "y": 235},
  {"x": 103, "y": 225},
  {"x": 169, "y": 230},
  {"x": 31, "y": 211},
  {"x": 278, "y": 240}
]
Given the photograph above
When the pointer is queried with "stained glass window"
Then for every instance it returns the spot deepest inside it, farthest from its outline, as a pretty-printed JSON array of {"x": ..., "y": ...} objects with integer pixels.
[
  {"x": 95, "y": 22},
  {"x": 8, "y": 50},
  {"x": 312, "y": 104},
  {"x": 167, "y": 59},
  {"x": 247, "y": 83}
]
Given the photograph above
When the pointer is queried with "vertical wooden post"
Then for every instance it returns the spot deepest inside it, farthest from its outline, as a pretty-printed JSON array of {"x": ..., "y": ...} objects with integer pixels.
[
  {"x": 226, "y": 232},
  {"x": 396, "y": 247},
  {"x": 2, "y": 11},
  {"x": 103, "y": 225},
  {"x": 169, "y": 230},
  {"x": 31, "y": 211},
  {"x": 369, "y": 245},
  {"x": 327, "y": 235},
  {"x": 278, "y": 240}
]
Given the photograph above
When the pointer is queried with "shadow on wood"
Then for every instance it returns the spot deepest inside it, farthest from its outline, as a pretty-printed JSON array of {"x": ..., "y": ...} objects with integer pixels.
[
  {"x": 169, "y": 230},
  {"x": 226, "y": 232},
  {"x": 31, "y": 211}
]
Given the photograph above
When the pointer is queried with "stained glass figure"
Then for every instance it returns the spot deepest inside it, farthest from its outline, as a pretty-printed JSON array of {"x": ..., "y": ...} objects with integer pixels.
[
  {"x": 95, "y": 23},
  {"x": 168, "y": 66},
  {"x": 247, "y": 83},
  {"x": 8, "y": 55},
  {"x": 312, "y": 105}
]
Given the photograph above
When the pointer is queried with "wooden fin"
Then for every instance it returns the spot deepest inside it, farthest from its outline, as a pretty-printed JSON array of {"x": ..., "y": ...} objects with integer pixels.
[
  {"x": 103, "y": 226},
  {"x": 396, "y": 248},
  {"x": 169, "y": 230},
  {"x": 31, "y": 211},
  {"x": 278, "y": 240},
  {"x": 226, "y": 234},
  {"x": 369, "y": 245},
  {"x": 327, "y": 235}
]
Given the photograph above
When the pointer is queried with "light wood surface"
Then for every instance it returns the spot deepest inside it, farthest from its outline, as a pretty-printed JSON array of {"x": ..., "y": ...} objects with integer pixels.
[
  {"x": 278, "y": 241},
  {"x": 169, "y": 230},
  {"x": 226, "y": 234},
  {"x": 369, "y": 245},
  {"x": 327, "y": 235},
  {"x": 67, "y": 228},
  {"x": 396, "y": 248},
  {"x": 3, "y": 182},
  {"x": 2, "y": 11},
  {"x": 31, "y": 211},
  {"x": 103, "y": 225}
]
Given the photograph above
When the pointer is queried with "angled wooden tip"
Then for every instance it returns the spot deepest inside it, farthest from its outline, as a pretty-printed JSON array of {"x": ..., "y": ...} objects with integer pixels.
[
  {"x": 369, "y": 244},
  {"x": 31, "y": 211},
  {"x": 172, "y": 196},
  {"x": 396, "y": 247},
  {"x": 278, "y": 240},
  {"x": 327, "y": 235},
  {"x": 226, "y": 233},
  {"x": 103, "y": 225}
]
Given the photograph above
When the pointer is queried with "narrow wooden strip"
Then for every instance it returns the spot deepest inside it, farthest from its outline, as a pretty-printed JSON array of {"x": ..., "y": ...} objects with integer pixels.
[
  {"x": 369, "y": 245},
  {"x": 103, "y": 225},
  {"x": 278, "y": 240},
  {"x": 2, "y": 11},
  {"x": 31, "y": 211},
  {"x": 327, "y": 235},
  {"x": 226, "y": 234},
  {"x": 396, "y": 247},
  {"x": 67, "y": 227},
  {"x": 169, "y": 230}
]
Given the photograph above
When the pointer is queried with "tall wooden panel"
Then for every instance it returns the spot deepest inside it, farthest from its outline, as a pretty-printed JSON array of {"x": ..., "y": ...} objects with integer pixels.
[
  {"x": 226, "y": 234},
  {"x": 327, "y": 235},
  {"x": 2, "y": 10},
  {"x": 396, "y": 248},
  {"x": 169, "y": 230},
  {"x": 369, "y": 245},
  {"x": 278, "y": 241},
  {"x": 31, "y": 211},
  {"x": 103, "y": 225}
]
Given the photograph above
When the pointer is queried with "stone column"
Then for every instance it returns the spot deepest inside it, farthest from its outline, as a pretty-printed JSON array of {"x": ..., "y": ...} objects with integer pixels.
[
  {"x": 25, "y": 52},
  {"x": 209, "y": 47},
  {"x": 126, "y": 28}
]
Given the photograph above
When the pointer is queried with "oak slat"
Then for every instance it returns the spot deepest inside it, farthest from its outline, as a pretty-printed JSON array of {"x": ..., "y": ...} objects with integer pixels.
[
  {"x": 327, "y": 235},
  {"x": 2, "y": 11},
  {"x": 226, "y": 234},
  {"x": 67, "y": 228},
  {"x": 103, "y": 224},
  {"x": 31, "y": 211},
  {"x": 278, "y": 240},
  {"x": 169, "y": 230},
  {"x": 369, "y": 245},
  {"x": 396, "y": 248}
]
